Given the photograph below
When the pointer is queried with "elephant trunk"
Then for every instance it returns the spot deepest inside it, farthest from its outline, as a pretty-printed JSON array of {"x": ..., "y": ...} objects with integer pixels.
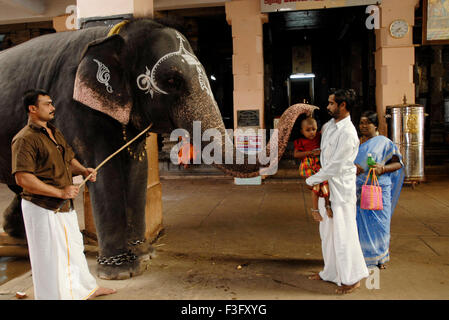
[
  {"x": 270, "y": 155},
  {"x": 221, "y": 151}
]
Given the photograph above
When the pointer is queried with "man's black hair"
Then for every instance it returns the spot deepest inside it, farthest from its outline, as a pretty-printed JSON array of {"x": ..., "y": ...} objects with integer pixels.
[
  {"x": 30, "y": 97},
  {"x": 345, "y": 95},
  {"x": 372, "y": 117}
]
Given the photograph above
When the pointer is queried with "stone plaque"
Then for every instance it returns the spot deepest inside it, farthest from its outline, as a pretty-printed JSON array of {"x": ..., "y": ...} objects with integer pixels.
[{"x": 247, "y": 118}]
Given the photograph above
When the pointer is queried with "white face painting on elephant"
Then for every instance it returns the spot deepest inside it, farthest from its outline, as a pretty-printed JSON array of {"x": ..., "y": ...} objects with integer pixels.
[
  {"x": 147, "y": 81},
  {"x": 104, "y": 75}
]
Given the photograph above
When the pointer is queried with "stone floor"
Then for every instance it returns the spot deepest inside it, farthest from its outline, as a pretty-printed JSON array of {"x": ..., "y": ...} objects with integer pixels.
[{"x": 223, "y": 241}]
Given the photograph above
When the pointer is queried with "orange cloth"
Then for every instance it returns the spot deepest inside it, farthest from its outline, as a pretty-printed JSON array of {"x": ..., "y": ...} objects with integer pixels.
[{"x": 186, "y": 153}]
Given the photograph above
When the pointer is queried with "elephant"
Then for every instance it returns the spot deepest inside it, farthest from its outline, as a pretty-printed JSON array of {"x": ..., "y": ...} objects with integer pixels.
[{"x": 108, "y": 84}]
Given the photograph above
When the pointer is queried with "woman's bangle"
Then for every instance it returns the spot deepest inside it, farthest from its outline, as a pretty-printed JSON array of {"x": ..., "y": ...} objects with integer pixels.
[{"x": 315, "y": 210}]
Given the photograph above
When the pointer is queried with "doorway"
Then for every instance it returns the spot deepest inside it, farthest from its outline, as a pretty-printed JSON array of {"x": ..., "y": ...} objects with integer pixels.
[
  {"x": 332, "y": 44},
  {"x": 300, "y": 88}
]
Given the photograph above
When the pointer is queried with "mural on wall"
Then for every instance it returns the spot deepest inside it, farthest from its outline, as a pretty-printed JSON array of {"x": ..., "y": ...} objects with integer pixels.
[{"x": 435, "y": 21}]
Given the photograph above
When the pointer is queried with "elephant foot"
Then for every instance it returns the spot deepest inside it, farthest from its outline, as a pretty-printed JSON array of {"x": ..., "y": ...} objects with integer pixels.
[
  {"x": 13, "y": 220},
  {"x": 143, "y": 250},
  {"x": 120, "y": 267}
]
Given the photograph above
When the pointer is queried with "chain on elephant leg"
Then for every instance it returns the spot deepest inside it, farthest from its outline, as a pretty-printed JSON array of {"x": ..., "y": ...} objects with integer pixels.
[
  {"x": 120, "y": 267},
  {"x": 142, "y": 249}
]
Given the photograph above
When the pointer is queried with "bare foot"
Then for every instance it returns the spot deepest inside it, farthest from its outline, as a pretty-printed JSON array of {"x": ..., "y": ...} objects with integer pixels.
[
  {"x": 344, "y": 289},
  {"x": 315, "y": 276},
  {"x": 102, "y": 292}
]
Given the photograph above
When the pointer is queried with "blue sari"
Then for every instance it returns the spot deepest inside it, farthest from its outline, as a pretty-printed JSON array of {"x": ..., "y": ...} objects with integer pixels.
[{"x": 374, "y": 225}]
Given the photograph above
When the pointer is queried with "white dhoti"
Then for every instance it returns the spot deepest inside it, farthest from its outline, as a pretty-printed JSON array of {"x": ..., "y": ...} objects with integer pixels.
[
  {"x": 342, "y": 254},
  {"x": 58, "y": 264}
]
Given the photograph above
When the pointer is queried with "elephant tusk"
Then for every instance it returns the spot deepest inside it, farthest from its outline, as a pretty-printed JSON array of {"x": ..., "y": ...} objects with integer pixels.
[{"x": 106, "y": 160}]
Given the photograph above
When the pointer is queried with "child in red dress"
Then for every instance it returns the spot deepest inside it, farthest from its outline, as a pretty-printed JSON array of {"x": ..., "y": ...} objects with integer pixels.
[{"x": 307, "y": 149}]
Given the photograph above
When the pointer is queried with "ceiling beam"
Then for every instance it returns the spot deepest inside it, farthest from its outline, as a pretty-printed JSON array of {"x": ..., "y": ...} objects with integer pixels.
[
  {"x": 33, "y": 6},
  {"x": 185, "y": 4}
]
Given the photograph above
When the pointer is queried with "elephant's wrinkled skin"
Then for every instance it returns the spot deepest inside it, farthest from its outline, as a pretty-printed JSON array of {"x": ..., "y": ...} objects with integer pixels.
[{"x": 104, "y": 88}]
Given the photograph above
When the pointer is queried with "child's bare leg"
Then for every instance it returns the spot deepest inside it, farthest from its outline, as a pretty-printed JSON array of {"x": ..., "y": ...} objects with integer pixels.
[
  {"x": 325, "y": 191},
  {"x": 315, "y": 211},
  {"x": 329, "y": 211}
]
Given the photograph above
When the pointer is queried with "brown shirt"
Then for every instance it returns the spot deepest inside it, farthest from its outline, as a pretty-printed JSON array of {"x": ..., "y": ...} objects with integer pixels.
[{"x": 35, "y": 152}]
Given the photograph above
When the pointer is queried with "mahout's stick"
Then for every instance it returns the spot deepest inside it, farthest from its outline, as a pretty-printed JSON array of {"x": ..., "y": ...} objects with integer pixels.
[{"x": 105, "y": 161}]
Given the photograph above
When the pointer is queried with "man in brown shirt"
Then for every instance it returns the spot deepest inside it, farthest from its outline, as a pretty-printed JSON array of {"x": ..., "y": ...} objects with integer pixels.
[
  {"x": 42, "y": 164},
  {"x": 53, "y": 167}
]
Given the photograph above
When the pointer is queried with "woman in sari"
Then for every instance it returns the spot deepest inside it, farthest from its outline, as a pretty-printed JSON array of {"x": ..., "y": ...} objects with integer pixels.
[{"x": 374, "y": 225}]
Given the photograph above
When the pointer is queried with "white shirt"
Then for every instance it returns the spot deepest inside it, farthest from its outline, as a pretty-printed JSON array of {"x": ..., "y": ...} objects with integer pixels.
[{"x": 339, "y": 148}]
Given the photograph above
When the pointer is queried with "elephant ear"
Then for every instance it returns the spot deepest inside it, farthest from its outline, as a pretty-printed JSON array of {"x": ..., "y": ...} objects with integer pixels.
[{"x": 100, "y": 81}]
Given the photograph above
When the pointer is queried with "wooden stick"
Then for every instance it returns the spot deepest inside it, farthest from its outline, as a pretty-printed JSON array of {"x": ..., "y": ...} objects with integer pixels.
[
  {"x": 106, "y": 160},
  {"x": 114, "y": 154}
]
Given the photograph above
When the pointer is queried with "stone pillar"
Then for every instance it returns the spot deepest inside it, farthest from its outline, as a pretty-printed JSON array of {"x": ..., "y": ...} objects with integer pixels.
[
  {"x": 395, "y": 58},
  {"x": 143, "y": 8},
  {"x": 90, "y": 232},
  {"x": 104, "y": 8},
  {"x": 153, "y": 208},
  {"x": 247, "y": 60},
  {"x": 60, "y": 23}
]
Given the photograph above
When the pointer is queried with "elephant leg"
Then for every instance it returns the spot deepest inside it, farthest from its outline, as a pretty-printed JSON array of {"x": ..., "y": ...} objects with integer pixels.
[
  {"x": 12, "y": 217},
  {"x": 137, "y": 173},
  {"x": 108, "y": 197}
]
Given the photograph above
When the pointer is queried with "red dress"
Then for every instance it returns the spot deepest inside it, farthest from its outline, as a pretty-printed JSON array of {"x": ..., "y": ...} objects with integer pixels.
[
  {"x": 303, "y": 144},
  {"x": 310, "y": 164}
]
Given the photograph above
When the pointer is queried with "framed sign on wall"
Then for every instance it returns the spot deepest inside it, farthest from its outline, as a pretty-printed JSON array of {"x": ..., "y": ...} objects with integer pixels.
[{"x": 435, "y": 22}]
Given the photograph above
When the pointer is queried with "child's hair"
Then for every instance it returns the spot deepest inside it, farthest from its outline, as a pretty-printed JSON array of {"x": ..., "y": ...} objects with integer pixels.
[{"x": 308, "y": 120}]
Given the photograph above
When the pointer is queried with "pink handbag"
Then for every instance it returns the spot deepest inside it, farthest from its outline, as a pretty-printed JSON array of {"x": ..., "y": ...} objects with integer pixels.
[{"x": 371, "y": 198}]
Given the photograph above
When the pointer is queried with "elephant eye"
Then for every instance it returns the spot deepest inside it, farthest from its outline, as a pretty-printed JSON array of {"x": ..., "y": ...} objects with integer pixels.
[{"x": 175, "y": 83}]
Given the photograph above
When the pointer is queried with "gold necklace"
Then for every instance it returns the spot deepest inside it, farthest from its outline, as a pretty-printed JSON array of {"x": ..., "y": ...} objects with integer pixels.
[{"x": 136, "y": 155}]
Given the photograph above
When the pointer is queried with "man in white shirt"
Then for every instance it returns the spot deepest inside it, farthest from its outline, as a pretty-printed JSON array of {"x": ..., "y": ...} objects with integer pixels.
[{"x": 343, "y": 258}]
